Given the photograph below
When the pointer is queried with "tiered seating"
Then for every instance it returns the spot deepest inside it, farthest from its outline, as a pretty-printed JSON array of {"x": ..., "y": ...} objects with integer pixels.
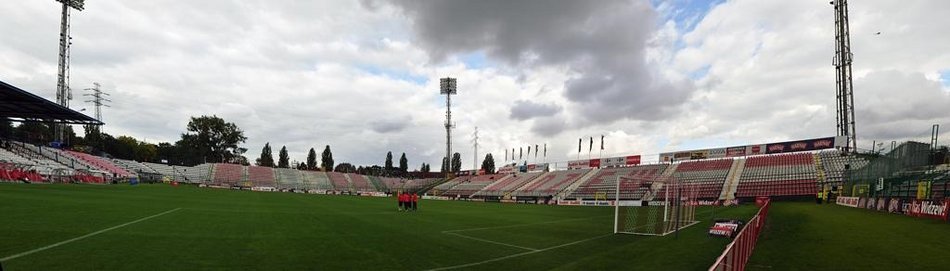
[
  {"x": 316, "y": 180},
  {"x": 289, "y": 179},
  {"x": 361, "y": 183},
  {"x": 29, "y": 152},
  {"x": 102, "y": 164},
  {"x": 339, "y": 181},
  {"x": 59, "y": 156},
  {"x": 228, "y": 174},
  {"x": 551, "y": 183},
  {"x": 11, "y": 158},
  {"x": 133, "y": 166},
  {"x": 472, "y": 185},
  {"x": 446, "y": 186},
  {"x": 11, "y": 172},
  {"x": 392, "y": 184},
  {"x": 779, "y": 175},
  {"x": 165, "y": 170},
  {"x": 195, "y": 174},
  {"x": 413, "y": 185},
  {"x": 606, "y": 181},
  {"x": 834, "y": 164},
  {"x": 261, "y": 176},
  {"x": 705, "y": 177},
  {"x": 507, "y": 185}
]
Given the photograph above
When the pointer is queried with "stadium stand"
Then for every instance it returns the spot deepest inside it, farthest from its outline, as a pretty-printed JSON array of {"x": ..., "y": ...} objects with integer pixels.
[
  {"x": 779, "y": 175},
  {"x": 134, "y": 166},
  {"x": 261, "y": 176},
  {"x": 469, "y": 186},
  {"x": 289, "y": 179},
  {"x": 506, "y": 185},
  {"x": 606, "y": 180},
  {"x": 195, "y": 174},
  {"x": 228, "y": 174},
  {"x": 551, "y": 183},
  {"x": 316, "y": 180},
  {"x": 377, "y": 183},
  {"x": 705, "y": 176},
  {"x": 11, "y": 158},
  {"x": 339, "y": 181},
  {"x": 360, "y": 183},
  {"x": 101, "y": 163},
  {"x": 834, "y": 165},
  {"x": 446, "y": 186},
  {"x": 12, "y": 173}
]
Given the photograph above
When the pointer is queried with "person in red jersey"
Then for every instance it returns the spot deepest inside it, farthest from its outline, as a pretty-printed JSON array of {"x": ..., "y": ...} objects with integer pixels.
[
  {"x": 415, "y": 201},
  {"x": 400, "y": 198}
]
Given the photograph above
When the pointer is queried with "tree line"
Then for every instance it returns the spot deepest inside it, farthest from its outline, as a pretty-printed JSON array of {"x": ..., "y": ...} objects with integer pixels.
[{"x": 211, "y": 139}]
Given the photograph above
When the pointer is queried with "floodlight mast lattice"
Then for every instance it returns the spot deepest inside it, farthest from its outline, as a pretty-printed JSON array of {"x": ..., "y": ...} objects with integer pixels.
[
  {"x": 844, "y": 86},
  {"x": 448, "y": 87},
  {"x": 63, "y": 94}
]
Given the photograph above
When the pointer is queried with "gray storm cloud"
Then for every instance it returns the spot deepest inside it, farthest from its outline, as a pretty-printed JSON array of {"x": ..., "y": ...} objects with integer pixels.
[
  {"x": 603, "y": 43},
  {"x": 524, "y": 110}
]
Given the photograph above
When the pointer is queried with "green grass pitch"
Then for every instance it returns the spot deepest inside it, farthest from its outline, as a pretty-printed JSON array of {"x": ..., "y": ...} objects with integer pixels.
[
  {"x": 220, "y": 229},
  {"x": 806, "y": 236}
]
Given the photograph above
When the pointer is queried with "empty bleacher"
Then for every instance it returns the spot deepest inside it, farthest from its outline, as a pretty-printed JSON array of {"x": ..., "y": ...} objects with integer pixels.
[
  {"x": 339, "y": 181},
  {"x": 551, "y": 183},
  {"x": 360, "y": 183},
  {"x": 704, "y": 177},
  {"x": 289, "y": 179},
  {"x": 515, "y": 181},
  {"x": 101, "y": 163},
  {"x": 316, "y": 180},
  {"x": 779, "y": 175},
  {"x": 133, "y": 166},
  {"x": 605, "y": 181},
  {"x": 11, "y": 158},
  {"x": 261, "y": 176},
  {"x": 469, "y": 186},
  {"x": 228, "y": 174}
]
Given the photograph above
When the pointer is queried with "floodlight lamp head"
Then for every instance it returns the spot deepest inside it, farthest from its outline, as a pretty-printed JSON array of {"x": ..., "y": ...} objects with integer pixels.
[
  {"x": 447, "y": 86},
  {"x": 76, "y": 4}
]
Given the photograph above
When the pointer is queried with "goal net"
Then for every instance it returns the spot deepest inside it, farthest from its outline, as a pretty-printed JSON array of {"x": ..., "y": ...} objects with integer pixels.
[{"x": 653, "y": 206}]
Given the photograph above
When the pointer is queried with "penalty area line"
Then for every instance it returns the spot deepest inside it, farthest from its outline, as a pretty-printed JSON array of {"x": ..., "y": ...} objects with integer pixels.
[
  {"x": 519, "y": 254},
  {"x": 11, "y": 257}
]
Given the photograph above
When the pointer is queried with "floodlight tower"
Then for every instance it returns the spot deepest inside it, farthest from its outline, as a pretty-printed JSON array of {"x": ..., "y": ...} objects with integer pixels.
[
  {"x": 844, "y": 86},
  {"x": 98, "y": 100},
  {"x": 475, "y": 145},
  {"x": 447, "y": 86},
  {"x": 63, "y": 94}
]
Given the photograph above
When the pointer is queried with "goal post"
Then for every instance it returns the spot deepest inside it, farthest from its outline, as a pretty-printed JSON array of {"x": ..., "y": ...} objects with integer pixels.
[{"x": 653, "y": 206}]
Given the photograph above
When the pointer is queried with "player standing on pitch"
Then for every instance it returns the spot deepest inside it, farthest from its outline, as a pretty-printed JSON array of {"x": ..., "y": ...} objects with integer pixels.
[{"x": 415, "y": 201}]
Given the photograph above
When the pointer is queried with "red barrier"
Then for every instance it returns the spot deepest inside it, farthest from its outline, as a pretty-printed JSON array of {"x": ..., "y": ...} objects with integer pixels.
[{"x": 737, "y": 253}]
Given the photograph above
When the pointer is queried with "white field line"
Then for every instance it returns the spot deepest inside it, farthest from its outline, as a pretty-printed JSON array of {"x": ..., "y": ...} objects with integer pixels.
[
  {"x": 519, "y": 254},
  {"x": 522, "y": 225},
  {"x": 490, "y": 241},
  {"x": 11, "y": 257}
]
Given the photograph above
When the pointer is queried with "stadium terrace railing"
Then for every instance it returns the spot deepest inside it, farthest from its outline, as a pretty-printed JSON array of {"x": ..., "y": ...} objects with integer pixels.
[{"x": 738, "y": 252}]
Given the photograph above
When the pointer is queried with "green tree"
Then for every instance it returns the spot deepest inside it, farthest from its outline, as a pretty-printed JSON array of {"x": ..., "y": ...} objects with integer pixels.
[
  {"x": 267, "y": 157},
  {"x": 326, "y": 159},
  {"x": 445, "y": 165},
  {"x": 488, "y": 165},
  {"x": 345, "y": 168},
  {"x": 403, "y": 163},
  {"x": 214, "y": 139},
  {"x": 389, "y": 161},
  {"x": 312, "y": 160},
  {"x": 284, "y": 161},
  {"x": 456, "y": 162}
]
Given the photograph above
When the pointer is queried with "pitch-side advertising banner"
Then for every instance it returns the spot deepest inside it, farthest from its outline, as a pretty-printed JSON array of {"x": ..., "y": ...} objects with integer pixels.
[{"x": 780, "y": 147}]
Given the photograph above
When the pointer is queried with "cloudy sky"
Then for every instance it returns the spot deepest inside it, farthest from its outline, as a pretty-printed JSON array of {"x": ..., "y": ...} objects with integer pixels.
[{"x": 362, "y": 76}]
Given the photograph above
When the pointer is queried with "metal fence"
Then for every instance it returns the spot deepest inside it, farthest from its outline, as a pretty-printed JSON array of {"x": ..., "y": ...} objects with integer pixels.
[
  {"x": 906, "y": 171},
  {"x": 738, "y": 252}
]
